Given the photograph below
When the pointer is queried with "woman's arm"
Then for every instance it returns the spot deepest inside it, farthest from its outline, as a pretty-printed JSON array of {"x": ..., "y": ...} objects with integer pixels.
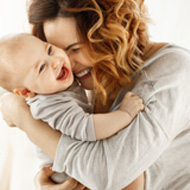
[
  {"x": 16, "y": 113},
  {"x": 137, "y": 184}
]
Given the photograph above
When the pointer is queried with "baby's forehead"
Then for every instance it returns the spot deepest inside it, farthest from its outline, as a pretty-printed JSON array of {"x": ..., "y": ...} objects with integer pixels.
[
  {"x": 8, "y": 43},
  {"x": 19, "y": 40},
  {"x": 17, "y": 45},
  {"x": 12, "y": 41},
  {"x": 11, "y": 46}
]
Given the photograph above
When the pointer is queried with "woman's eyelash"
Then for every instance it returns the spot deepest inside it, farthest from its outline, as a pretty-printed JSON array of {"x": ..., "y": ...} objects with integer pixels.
[
  {"x": 75, "y": 49},
  {"x": 41, "y": 68}
]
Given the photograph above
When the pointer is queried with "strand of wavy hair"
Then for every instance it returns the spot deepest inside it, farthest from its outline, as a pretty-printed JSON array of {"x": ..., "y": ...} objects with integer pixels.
[{"x": 117, "y": 45}]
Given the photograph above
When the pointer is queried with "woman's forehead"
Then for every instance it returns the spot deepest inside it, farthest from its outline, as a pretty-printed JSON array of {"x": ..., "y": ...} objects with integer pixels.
[{"x": 61, "y": 31}]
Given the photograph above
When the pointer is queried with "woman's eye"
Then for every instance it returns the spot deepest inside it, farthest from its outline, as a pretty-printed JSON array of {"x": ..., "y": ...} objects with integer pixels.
[
  {"x": 75, "y": 49},
  {"x": 49, "y": 50},
  {"x": 41, "y": 68}
]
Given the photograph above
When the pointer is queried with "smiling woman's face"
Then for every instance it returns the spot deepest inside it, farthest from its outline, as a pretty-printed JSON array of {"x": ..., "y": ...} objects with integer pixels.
[{"x": 62, "y": 32}]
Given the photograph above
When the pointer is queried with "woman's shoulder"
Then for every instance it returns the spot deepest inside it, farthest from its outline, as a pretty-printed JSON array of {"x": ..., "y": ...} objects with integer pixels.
[
  {"x": 174, "y": 51},
  {"x": 166, "y": 70},
  {"x": 169, "y": 66},
  {"x": 167, "y": 54},
  {"x": 168, "y": 60}
]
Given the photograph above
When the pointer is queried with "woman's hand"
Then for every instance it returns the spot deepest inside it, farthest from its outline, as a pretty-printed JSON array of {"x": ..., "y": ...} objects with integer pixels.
[
  {"x": 43, "y": 182},
  {"x": 12, "y": 106}
]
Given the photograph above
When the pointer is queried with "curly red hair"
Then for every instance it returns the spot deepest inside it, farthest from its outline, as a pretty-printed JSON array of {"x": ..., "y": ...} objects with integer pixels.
[{"x": 117, "y": 41}]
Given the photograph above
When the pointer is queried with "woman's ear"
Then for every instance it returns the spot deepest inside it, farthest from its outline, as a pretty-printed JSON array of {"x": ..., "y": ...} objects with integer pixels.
[{"x": 24, "y": 92}]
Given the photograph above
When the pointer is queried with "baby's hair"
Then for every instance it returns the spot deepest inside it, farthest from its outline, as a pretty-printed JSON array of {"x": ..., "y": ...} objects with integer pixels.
[
  {"x": 3, "y": 53},
  {"x": 7, "y": 43}
]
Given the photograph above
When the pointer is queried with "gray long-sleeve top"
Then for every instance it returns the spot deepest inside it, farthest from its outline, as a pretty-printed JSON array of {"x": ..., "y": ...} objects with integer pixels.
[
  {"x": 67, "y": 111},
  {"x": 157, "y": 141}
]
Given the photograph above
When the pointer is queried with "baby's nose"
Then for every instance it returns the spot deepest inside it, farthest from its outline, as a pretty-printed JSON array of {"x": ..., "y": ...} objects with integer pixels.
[{"x": 55, "y": 65}]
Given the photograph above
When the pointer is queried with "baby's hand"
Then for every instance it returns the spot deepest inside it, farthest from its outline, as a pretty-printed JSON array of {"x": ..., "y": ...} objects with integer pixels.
[{"x": 132, "y": 104}]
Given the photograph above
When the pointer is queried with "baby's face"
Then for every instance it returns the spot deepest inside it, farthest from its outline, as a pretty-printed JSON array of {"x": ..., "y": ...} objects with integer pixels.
[{"x": 43, "y": 68}]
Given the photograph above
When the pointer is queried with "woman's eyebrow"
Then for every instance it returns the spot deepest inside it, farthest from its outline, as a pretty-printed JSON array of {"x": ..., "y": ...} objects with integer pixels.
[{"x": 70, "y": 46}]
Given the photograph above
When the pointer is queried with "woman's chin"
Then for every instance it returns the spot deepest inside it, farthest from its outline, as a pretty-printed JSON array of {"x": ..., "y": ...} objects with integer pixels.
[{"x": 87, "y": 84}]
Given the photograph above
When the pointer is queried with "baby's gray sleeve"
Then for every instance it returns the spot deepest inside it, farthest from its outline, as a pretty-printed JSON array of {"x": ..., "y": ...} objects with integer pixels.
[{"x": 65, "y": 115}]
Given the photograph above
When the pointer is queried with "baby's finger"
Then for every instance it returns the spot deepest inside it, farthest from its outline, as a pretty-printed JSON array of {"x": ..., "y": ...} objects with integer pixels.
[
  {"x": 129, "y": 94},
  {"x": 142, "y": 107},
  {"x": 138, "y": 99},
  {"x": 47, "y": 171}
]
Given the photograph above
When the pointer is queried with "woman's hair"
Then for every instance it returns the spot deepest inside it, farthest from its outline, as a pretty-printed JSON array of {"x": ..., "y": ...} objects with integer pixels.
[{"x": 115, "y": 32}]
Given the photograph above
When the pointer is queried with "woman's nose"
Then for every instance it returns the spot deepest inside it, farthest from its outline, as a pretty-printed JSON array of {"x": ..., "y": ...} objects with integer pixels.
[{"x": 73, "y": 64}]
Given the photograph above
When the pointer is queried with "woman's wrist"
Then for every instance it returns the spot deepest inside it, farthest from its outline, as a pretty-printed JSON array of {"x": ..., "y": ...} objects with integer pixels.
[
  {"x": 14, "y": 109},
  {"x": 22, "y": 116}
]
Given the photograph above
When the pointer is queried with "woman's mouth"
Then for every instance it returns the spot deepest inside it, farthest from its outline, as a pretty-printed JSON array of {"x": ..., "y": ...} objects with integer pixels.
[
  {"x": 83, "y": 74},
  {"x": 63, "y": 74}
]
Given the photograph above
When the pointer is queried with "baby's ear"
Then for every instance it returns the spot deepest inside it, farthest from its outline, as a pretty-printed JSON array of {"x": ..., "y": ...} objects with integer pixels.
[{"x": 24, "y": 92}]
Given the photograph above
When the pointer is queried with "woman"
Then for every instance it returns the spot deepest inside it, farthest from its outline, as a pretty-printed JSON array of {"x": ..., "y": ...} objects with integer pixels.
[{"x": 111, "y": 37}]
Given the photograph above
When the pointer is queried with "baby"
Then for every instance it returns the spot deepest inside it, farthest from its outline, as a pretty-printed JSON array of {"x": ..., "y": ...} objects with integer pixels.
[{"x": 41, "y": 73}]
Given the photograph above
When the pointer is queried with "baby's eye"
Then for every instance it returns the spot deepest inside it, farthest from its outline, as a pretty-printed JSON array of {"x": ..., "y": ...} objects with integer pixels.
[
  {"x": 49, "y": 50},
  {"x": 41, "y": 68}
]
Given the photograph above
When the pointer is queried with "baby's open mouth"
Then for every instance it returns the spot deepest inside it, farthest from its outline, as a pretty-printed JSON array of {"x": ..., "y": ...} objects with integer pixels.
[{"x": 63, "y": 74}]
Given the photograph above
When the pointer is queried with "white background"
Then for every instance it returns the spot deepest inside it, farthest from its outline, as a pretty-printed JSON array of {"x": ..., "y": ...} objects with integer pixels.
[
  {"x": 17, "y": 156},
  {"x": 170, "y": 19}
]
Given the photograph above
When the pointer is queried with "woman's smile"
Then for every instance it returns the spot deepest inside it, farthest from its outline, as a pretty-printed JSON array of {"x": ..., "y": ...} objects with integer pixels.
[{"x": 85, "y": 73}]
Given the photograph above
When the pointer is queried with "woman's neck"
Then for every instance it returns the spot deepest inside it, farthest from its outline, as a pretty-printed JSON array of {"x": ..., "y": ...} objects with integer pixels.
[{"x": 151, "y": 48}]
